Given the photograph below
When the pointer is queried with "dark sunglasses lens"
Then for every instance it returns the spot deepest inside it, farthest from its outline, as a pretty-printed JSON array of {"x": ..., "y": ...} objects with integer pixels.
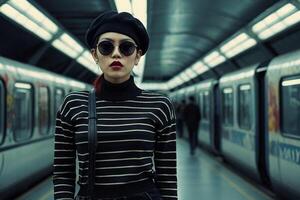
[
  {"x": 127, "y": 48},
  {"x": 105, "y": 48}
]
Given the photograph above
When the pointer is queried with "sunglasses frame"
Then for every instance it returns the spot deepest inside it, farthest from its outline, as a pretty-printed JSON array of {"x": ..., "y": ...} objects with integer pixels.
[{"x": 125, "y": 54}]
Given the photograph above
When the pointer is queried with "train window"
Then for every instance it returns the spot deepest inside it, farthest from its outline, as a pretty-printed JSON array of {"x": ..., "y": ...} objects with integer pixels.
[
  {"x": 2, "y": 113},
  {"x": 290, "y": 106},
  {"x": 227, "y": 106},
  {"x": 44, "y": 111},
  {"x": 244, "y": 107},
  {"x": 23, "y": 111},
  {"x": 59, "y": 97}
]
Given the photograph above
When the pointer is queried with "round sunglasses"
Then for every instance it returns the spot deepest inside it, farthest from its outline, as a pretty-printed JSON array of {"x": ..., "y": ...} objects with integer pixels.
[{"x": 126, "y": 48}]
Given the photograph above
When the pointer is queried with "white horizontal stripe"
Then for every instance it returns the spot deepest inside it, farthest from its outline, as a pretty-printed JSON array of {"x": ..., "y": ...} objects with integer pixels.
[
  {"x": 59, "y": 185},
  {"x": 174, "y": 174},
  {"x": 120, "y": 175},
  {"x": 131, "y": 107},
  {"x": 58, "y": 119},
  {"x": 64, "y": 191},
  {"x": 125, "y": 131},
  {"x": 120, "y": 159},
  {"x": 62, "y": 165},
  {"x": 114, "y": 131},
  {"x": 84, "y": 142},
  {"x": 129, "y": 140},
  {"x": 174, "y": 189},
  {"x": 64, "y": 129},
  {"x": 123, "y": 113},
  {"x": 83, "y": 154},
  {"x": 56, "y": 134},
  {"x": 82, "y": 118},
  {"x": 132, "y": 124},
  {"x": 161, "y": 130},
  {"x": 126, "y": 151},
  {"x": 61, "y": 178},
  {"x": 168, "y": 141},
  {"x": 56, "y": 157},
  {"x": 169, "y": 196},
  {"x": 80, "y": 132},
  {"x": 121, "y": 183},
  {"x": 171, "y": 133},
  {"x": 122, "y": 167},
  {"x": 124, "y": 118},
  {"x": 58, "y": 173},
  {"x": 79, "y": 125},
  {"x": 78, "y": 114},
  {"x": 63, "y": 143},
  {"x": 167, "y": 181},
  {"x": 76, "y": 100},
  {"x": 75, "y": 107},
  {"x": 79, "y": 94}
]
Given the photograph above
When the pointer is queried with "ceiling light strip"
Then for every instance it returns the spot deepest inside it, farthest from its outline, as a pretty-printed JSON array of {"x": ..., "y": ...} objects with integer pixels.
[
  {"x": 24, "y": 21},
  {"x": 279, "y": 20}
]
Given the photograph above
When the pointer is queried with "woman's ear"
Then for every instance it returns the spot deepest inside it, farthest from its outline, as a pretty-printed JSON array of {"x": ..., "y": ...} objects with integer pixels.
[
  {"x": 95, "y": 56},
  {"x": 137, "y": 57}
]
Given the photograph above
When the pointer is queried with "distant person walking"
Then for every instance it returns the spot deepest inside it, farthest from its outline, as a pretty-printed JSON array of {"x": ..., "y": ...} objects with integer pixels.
[
  {"x": 192, "y": 118},
  {"x": 179, "y": 117}
]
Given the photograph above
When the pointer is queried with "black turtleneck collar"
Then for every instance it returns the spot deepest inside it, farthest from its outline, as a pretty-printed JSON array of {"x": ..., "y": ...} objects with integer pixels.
[{"x": 118, "y": 91}]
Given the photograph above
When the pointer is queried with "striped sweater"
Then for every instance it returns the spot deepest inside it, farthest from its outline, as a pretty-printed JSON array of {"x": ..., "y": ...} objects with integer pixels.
[{"x": 136, "y": 142}]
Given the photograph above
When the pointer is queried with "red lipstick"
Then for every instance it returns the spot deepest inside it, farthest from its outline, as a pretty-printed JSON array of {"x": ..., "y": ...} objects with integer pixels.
[{"x": 116, "y": 63}]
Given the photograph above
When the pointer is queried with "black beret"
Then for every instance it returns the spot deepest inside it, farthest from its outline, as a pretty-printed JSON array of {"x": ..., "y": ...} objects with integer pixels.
[{"x": 124, "y": 23}]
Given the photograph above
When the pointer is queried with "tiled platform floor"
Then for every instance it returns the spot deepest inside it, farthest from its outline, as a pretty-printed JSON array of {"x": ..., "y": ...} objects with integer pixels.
[{"x": 200, "y": 177}]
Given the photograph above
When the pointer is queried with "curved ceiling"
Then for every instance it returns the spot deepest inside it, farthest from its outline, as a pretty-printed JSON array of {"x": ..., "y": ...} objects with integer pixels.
[{"x": 180, "y": 33}]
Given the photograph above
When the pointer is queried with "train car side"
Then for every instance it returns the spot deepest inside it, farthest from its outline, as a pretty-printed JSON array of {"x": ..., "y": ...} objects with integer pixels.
[
  {"x": 283, "y": 88},
  {"x": 31, "y": 97}
]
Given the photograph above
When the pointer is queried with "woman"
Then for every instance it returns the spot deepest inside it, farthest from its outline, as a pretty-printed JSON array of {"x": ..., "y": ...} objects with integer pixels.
[{"x": 136, "y": 153}]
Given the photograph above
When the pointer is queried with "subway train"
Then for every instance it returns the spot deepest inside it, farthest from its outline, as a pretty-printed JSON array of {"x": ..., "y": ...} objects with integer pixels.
[
  {"x": 29, "y": 99},
  {"x": 251, "y": 118}
]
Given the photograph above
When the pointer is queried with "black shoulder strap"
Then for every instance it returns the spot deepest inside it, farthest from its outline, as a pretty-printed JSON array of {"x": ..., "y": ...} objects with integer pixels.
[{"x": 92, "y": 137}]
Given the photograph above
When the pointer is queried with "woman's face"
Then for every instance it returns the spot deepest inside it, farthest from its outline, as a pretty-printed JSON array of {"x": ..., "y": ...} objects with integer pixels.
[{"x": 115, "y": 66}]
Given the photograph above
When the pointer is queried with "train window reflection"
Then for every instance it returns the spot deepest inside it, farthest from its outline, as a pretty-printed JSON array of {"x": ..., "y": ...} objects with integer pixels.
[
  {"x": 23, "y": 111},
  {"x": 2, "y": 114},
  {"x": 290, "y": 106},
  {"x": 227, "y": 106},
  {"x": 244, "y": 107},
  {"x": 44, "y": 111},
  {"x": 59, "y": 97}
]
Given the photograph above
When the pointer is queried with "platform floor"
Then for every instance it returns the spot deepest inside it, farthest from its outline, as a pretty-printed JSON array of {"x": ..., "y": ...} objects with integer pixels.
[{"x": 201, "y": 176}]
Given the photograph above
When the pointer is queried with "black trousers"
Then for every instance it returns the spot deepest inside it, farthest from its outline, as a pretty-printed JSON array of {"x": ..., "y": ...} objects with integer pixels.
[
  {"x": 152, "y": 194},
  {"x": 193, "y": 139}
]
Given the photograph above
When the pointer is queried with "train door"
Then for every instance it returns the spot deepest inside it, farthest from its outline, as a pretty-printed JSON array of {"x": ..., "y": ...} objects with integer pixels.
[
  {"x": 215, "y": 116},
  {"x": 2, "y": 112},
  {"x": 2, "y": 122},
  {"x": 289, "y": 142}
]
